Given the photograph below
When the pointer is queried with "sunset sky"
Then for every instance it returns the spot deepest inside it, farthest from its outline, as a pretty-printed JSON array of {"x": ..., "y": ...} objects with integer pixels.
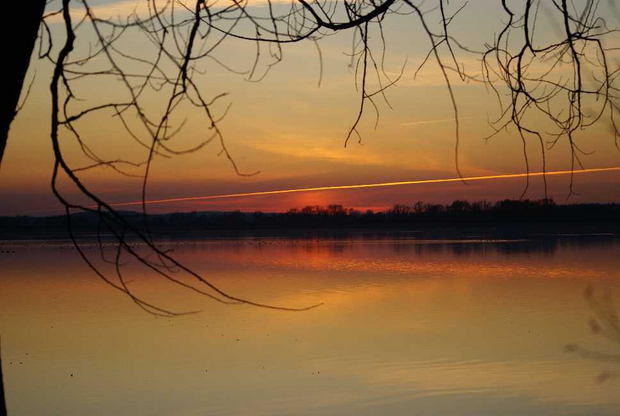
[{"x": 292, "y": 131}]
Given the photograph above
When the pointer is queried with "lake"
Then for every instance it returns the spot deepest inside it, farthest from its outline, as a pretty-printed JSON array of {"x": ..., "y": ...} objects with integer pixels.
[{"x": 406, "y": 327}]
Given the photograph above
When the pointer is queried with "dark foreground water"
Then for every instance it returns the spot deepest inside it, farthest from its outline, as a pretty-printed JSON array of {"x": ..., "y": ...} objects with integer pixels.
[{"x": 408, "y": 327}]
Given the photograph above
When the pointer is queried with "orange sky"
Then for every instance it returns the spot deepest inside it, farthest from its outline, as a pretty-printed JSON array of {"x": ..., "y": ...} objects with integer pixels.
[{"x": 293, "y": 132}]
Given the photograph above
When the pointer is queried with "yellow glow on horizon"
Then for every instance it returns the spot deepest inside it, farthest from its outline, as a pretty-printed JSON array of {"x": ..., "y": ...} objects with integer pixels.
[{"x": 362, "y": 186}]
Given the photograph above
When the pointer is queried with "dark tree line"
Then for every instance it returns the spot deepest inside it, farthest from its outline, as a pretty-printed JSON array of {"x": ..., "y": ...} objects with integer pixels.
[{"x": 458, "y": 213}]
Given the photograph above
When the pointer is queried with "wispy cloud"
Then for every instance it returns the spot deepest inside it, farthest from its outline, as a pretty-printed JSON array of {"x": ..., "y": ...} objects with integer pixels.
[
  {"x": 124, "y": 9},
  {"x": 443, "y": 120},
  {"x": 306, "y": 148}
]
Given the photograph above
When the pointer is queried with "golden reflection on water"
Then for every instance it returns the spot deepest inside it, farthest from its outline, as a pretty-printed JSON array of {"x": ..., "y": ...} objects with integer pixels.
[{"x": 406, "y": 328}]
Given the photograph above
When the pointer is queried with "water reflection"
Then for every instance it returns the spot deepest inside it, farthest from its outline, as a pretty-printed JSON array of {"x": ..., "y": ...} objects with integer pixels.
[{"x": 407, "y": 327}]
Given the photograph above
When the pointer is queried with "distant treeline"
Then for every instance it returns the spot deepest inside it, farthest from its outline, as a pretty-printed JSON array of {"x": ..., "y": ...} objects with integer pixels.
[{"x": 480, "y": 213}]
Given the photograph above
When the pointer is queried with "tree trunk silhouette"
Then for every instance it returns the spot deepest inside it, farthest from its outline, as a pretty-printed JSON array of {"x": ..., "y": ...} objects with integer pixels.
[
  {"x": 2, "y": 401},
  {"x": 20, "y": 40}
]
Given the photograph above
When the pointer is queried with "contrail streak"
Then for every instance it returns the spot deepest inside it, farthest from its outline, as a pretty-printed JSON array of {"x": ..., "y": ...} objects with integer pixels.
[{"x": 363, "y": 186}]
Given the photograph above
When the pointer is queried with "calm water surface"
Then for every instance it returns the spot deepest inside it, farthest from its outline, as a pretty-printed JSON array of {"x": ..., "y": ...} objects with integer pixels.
[{"x": 407, "y": 328}]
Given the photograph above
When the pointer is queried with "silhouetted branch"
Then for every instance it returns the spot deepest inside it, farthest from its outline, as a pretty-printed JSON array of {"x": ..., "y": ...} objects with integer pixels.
[
  {"x": 605, "y": 323},
  {"x": 547, "y": 77},
  {"x": 533, "y": 76}
]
